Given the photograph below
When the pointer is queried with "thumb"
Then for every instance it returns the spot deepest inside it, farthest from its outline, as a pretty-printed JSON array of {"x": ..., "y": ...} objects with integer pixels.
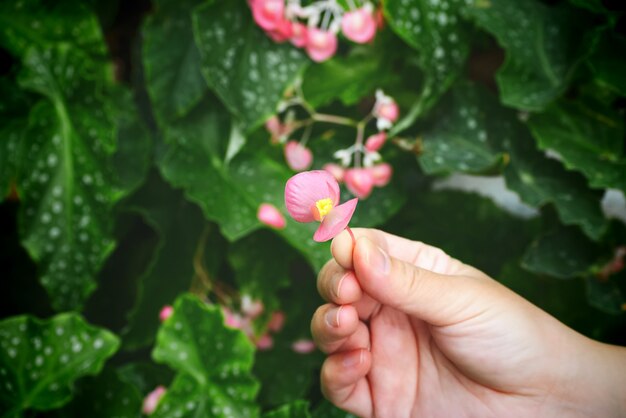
[{"x": 438, "y": 299}]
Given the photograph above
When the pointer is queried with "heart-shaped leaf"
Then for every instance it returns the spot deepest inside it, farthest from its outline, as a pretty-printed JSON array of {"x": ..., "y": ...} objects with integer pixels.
[{"x": 40, "y": 359}]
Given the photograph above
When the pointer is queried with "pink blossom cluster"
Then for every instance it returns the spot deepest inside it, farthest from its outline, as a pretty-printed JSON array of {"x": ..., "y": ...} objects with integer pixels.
[
  {"x": 359, "y": 178},
  {"x": 324, "y": 19}
]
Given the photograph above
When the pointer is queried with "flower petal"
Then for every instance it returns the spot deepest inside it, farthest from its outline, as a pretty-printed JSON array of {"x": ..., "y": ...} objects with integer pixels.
[
  {"x": 306, "y": 188},
  {"x": 269, "y": 215},
  {"x": 298, "y": 157},
  {"x": 336, "y": 221}
]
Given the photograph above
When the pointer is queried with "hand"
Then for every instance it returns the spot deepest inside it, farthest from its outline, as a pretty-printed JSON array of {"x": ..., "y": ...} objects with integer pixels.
[{"x": 411, "y": 331}]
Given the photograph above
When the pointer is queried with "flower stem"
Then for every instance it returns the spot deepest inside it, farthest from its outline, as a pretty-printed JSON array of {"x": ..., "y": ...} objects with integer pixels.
[
  {"x": 338, "y": 120},
  {"x": 351, "y": 236}
]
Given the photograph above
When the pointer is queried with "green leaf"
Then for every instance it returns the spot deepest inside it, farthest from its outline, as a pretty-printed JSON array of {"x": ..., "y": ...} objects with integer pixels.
[
  {"x": 537, "y": 179},
  {"x": 346, "y": 78},
  {"x": 193, "y": 161},
  {"x": 246, "y": 69},
  {"x": 436, "y": 31},
  {"x": 459, "y": 140},
  {"x": 40, "y": 23},
  {"x": 171, "y": 60},
  {"x": 145, "y": 376},
  {"x": 104, "y": 396},
  {"x": 297, "y": 409},
  {"x": 605, "y": 295},
  {"x": 257, "y": 271},
  {"x": 543, "y": 44},
  {"x": 588, "y": 136},
  {"x": 606, "y": 62},
  {"x": 40, "y": 359},
  {"x": 564, "y": 253},
  {"x": 14, "y": 107},
  {"x": 287, "y": 375},
  {"x": 179, "y": 225},
  {"x": 591, "y": 5},
  {"x": 68, "y": 186},
  {"x": 213, "y": 363}
]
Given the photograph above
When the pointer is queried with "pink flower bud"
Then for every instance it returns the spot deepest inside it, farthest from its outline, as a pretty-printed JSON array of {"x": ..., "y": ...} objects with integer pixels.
[
  {"x": 282, "y": 32},
  {"x": 251, "y": 308},
  {"x": 270, "y": 216},
  {"x": 232, "y": 319},
  {"x": 359, "y": 25},
  {"x": 265, "y": 342},
  {"x": 381, "y": 173},
  {"x": 359, "y": 181},
  {"x": 376, "y": 141},
  {"x": 299, "y": 34},
  {"x": 389, "y": 111},
  {"x": 337, "y": 171},
  {"x": 303, "y": 346},
  {"x": 299, "y": 158},
  {"x": 276, "y": 321},
  {"x": 320, "y": 44},
  {"x": 151, "y": 401},
  {"x": 385, "y": 110},
  {"x": 267, "y": 13},
  {"x": 165, "y": 313},
  {"x": 273, "y": 126}
]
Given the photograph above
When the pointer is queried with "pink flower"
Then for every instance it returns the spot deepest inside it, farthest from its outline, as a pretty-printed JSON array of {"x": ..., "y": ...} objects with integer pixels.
[
  {"x": 320, "y": 44},
  {"x": 359, "y": 25},
  {"x": 359, "y": 181},
  {"x": 268, "y": 13},
  {"x": 165, "y": 313},
  {"x": 270, "y": 216},
  {"x": 381, "y": 174},
  {"x": 276, "y": 321},
  {"x": 251, "y": 307},
  {"x": 303, "y": 346},
  {"x": 282, "y": 32},
  {"x": 337, "y": 171},
  {"x": 232, "y": 319},
  {"x": 385, "y": 110},
  {"x": 314, "y": 196},
  {"x": 151, "y": 401},
  {"x": 299, "y": 34},
  {"x": 376, "y": 141},
  {"x": 299, "y": 157},
  {"x": 265, "y": 342}
]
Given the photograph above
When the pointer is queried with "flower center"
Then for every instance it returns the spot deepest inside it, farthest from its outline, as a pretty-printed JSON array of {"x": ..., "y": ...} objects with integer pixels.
[{"x": 322, "y": 208}]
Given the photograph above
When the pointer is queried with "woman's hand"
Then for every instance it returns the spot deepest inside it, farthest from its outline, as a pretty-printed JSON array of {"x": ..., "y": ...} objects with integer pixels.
[{"x": 411, "y": 331}]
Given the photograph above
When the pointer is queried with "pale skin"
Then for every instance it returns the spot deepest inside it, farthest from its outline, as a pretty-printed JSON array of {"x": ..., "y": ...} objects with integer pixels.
[{"x": 412, "y": 332}]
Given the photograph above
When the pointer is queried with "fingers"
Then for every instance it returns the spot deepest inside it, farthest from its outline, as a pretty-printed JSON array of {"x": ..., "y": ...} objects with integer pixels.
[
  {"x": 414, "y": 252},
  {"x": 439, "y": 299},
  {"x": 340, "y": 286},
  {"x": 338, "y": 328},
  {"x": 337, "y": 285},
  {"x": 344, "y": 383}
]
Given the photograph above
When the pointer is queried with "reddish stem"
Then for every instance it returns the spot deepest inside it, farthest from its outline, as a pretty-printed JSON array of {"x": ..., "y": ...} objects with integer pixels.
[{"x": 351, "y": 235}]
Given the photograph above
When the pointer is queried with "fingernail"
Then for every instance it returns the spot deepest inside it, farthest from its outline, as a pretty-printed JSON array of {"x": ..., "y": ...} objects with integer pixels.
[
  {"x": 379, "y": 260},
  {"x": 337, "y": 282},
  {"x": 332, "y": 317},
  {"x": 352, "y": 359}
]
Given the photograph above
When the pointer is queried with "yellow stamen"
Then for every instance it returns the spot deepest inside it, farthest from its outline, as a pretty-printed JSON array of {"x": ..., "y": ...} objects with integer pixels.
[{"x": 321, "y": 208}]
